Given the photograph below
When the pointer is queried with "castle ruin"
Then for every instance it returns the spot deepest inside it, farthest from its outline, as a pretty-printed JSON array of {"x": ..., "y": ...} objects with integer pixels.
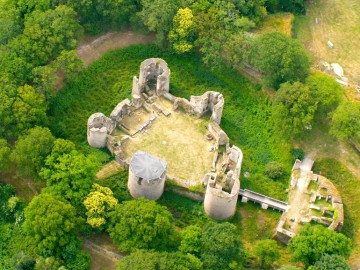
[
  {"x": 131, "y": 119},
  {"x": 151, "y": 134}
]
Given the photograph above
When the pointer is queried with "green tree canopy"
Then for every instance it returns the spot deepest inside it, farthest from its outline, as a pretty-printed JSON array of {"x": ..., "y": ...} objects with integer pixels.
[
  {"x": 4, "y": 153},
  {"x": 141, "y": 259},
  {"x": 333, "y": 262},
  {"x": 51, "y": 224},
  {"x": 45, "y": 35},
  {"x": 221, "y": 246},
  {"x": 94, "y": 14},
  {"x": 293, "y": 109},
  {"x": 182, "y": 34},
  {"x": 157, "y": 16},
  {"x": 267, "y": 252},
  {"x": 29, "y": 108},
  {"x": 281, "y": 58},
  {"x": 217, "y": 22},
  {"x": 69, "y": 175},
  {"x": 274, "y": 170},
  {"x": 49, "y": 263},
  {"x": 345, "y": 123},
  {"x": 313, "y": 241},
  {"x": 99, "y": 203},
  {"x": 326, "y": 91},
  {"x": 10, "y": 21},
  {"x": 191, "y": 240},
  {"x": 31, "y": 150},
  {"x": 141, "y": 224}
]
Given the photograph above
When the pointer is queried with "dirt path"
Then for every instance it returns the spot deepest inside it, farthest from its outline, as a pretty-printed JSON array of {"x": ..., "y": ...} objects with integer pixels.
[
  {"x": 92, "y": 48},
  {"x": 101, "y": 258}
]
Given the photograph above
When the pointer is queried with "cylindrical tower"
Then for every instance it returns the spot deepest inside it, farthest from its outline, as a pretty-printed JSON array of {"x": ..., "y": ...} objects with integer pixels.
[
  {"x": 147, "y": 175},
  {"x": 219, "y": 204},
  {"x": 96, "y": 130}
]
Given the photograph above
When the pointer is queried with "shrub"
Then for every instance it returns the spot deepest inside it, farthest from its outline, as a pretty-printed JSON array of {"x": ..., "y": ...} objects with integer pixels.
[
  {"x": 274, "y": 170},
  {"x": 297, "y": 153}
]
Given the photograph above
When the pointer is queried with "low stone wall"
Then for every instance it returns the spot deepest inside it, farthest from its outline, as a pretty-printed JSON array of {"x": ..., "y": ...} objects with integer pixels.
[{"x": 185, "y": 192}]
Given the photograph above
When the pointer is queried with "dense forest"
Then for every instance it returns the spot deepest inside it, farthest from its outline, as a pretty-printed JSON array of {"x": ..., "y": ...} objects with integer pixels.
[{"x": 206, "y": 43}]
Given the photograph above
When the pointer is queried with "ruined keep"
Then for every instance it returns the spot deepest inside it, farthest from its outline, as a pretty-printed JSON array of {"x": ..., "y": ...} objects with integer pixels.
[
  {"x": 146, "y": 176},
  {"x": 147, "y": 173}
]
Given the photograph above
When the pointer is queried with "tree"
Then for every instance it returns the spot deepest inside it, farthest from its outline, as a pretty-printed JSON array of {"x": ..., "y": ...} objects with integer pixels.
[
  {"x": 94, "y": 14},
  {"x": 69, "y": 175},
  {"x": 7, "y": 97},
  {"x": 23, "y": 261},
  {"x": 10, "y": 21},
  {"x": 4, "y": 153},
  {"x": 267, "y": 252},
  {"x": 141, "y": 224},
  {"x": 29, "y": 108},
  {"x": 50, "y": 32},
  {"x": 68, "y": 63},
  {"x": 155, "y": 21},
  {"x": 294, "y": 6},
  {"x": 216, "y": 23},
  {"x": 51, "y": 224},
  {"x": 31, "y": 150},
  {"x": 281, "y": 58},
  {"x": 191, "y": 240},
  {"x": 99, "y": 203},
  {"x": 221, "y": 246},
  {"x": 326, "y": 91},
  {"x": 142, "y": 259},
  {"x": 274, "y": 170},
  {"x": 293, "y": 109},
  {"x": 182, "y": 34},
  {"x": 49, "y": 263},
  {"x": 345, "y": 122},
  {"x": 313, "y": 241},
  {"x": 330, "y": 262}
]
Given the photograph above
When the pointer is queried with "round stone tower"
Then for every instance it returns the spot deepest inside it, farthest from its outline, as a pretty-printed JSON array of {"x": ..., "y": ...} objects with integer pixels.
[
  {"x": 97, "y": 130},
  {"x": 147, "y": 175}
]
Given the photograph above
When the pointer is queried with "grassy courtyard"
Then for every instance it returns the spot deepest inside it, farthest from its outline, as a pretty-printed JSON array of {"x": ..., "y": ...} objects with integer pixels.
[{"x": 179, "y": 139}]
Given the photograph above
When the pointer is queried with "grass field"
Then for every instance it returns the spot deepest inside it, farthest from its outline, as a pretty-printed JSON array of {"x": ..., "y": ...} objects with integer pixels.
[
  {"x": 339, "y": 22},
  {"x": 281, "y": 22}
]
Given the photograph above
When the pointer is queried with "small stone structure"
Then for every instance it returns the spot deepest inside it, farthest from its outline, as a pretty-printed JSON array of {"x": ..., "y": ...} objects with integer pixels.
[
  {"x": 146, "y": 176},
  {"x": 313, "y": 198},
  {"x": 223, "y": 179}
]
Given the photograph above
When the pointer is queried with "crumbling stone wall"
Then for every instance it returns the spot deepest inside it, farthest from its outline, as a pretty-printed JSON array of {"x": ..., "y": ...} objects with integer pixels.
[
  {"x": 218, "y": 203},
  {"x": 98, "y": 128},
  {"x": 154, "y": 75}
]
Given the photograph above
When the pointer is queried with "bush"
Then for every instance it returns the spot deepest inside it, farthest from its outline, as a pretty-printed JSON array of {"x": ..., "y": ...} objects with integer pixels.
[
  {"x": 297, "y": 153},
  {"x": 274, "y": 170}
]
